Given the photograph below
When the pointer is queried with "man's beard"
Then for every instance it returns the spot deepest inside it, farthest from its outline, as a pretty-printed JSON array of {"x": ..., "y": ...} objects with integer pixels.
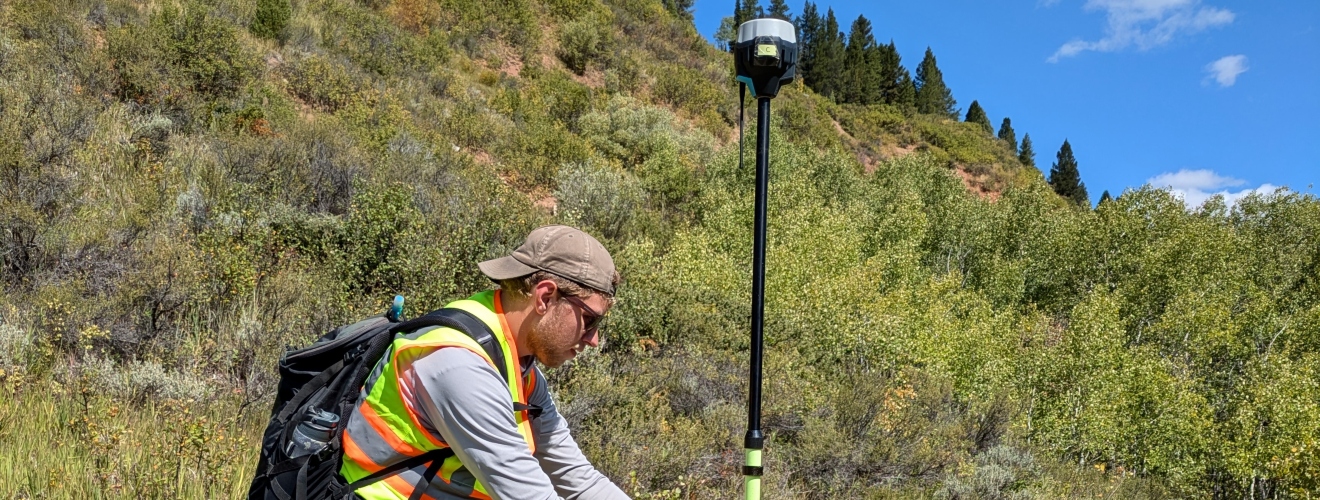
[{"x": 553, "y": 340}]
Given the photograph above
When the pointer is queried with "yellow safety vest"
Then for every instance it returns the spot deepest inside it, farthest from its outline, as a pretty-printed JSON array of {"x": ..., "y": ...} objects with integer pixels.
[{"x": 385, "y": 429}]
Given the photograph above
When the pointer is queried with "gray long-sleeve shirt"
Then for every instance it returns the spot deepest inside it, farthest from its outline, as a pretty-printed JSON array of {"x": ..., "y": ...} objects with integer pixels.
[{"x": 462, "y": 400}]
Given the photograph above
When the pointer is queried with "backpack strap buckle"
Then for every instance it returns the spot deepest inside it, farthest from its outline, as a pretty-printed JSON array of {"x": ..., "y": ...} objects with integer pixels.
[
  {"x": 354, "y": 353},
  {"x": 533, "y": 410}
]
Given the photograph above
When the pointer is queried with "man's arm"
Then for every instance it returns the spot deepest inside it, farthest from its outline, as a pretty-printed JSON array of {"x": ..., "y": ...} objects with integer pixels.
[
  {"x": 573, "y": 476},
  {"x": 461, "y": 397}
]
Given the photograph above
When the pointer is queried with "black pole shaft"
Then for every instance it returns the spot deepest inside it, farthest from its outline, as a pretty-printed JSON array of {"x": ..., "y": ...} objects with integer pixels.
[{"x": 755, "y": 439}]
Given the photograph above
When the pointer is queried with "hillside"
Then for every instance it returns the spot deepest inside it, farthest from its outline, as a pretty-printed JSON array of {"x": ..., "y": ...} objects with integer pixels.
[{"x": 188, "y": 188}]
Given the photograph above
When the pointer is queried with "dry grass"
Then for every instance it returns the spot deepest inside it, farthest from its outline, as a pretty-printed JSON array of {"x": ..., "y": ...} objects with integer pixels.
[{"x": 72, "y": 441}]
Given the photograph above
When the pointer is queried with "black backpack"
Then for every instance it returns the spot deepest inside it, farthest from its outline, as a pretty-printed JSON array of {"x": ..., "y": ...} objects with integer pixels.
[{"x": 328, "y": 376}]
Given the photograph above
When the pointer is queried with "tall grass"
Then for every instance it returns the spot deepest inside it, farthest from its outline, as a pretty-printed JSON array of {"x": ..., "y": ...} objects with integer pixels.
[{"x": 71, "y": 441}]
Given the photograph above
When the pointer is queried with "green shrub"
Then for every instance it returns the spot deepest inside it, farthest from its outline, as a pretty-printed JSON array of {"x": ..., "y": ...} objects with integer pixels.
[
  {"x": 142, "y": 66},
  {"x": 581, "y": 43},
  {"x": 374, "y": 240},
  {"x": 467, "y": 122},
  {"x": 47, "y": 22},
  {"x": 805, "y": 118},
  {"x": 873, "y": 122},
  {"x": 596, "y": 196},
  {"x": 477, "y": 216},
  {"x": 688, "y": 89},
  {"x": 375, "y": 119},
  {"x": 377, "y": 45},
  {"x": 568, "y": 10},
  {"x": 513, "y": 21},
  {"x": 546, "y": 94},
  {"x": 1092, "y": 362},
  {"x": 188, "y": 48},
  {"x": 631, "y": 133},
  {"x": 674, "y": 180},
  {"x": 323, "y": 83},
  {"x": 966, "y": 144},
  {"x": 271, "y": 18},
  {"x": 389, "y": 245},
  {"x": 542, "y": 146}
]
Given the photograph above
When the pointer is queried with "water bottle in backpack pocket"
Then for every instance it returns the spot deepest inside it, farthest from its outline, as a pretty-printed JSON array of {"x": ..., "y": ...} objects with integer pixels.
[{"x": 313, "y": 434}]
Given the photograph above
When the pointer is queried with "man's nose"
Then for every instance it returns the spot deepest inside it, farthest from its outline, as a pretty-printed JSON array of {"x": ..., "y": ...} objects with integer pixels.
[{"x": 592, "y": 338}]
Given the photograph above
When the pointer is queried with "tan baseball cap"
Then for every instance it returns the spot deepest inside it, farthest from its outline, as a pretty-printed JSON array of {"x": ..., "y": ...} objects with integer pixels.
[{"x": 566, "y": 251}]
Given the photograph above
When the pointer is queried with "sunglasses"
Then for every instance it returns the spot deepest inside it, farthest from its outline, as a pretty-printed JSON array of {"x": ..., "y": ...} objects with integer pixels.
[{"x": 589, "y": 316}]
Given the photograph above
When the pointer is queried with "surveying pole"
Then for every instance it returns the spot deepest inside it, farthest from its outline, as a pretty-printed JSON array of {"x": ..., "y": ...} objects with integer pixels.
[{"x": 765, "y": 57}]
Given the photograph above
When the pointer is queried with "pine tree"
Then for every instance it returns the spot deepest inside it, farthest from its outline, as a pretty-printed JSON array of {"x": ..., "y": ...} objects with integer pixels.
[
  {"x": 860, "y": 63},
  {"x": 1027, "y": 156},
  {"x": 746, "y": 10},
  {"x": 680, "y": 8},
  {"x": 977, "y": 115},
  {"x": 829, "y": 58},
  {"x": 1006, "y": 134},
  {"x": 889, "y": 65},
  {"x": 1104, "y": 198},
  {"x": 907, "y": 89},
  {"x": 932, "y": 96},
  {"x": 1065, "y": 178},
  {"x": 809, "y": 26},
  {"x": 271, "y": 18},
  {"x": 779, "y": 9}
]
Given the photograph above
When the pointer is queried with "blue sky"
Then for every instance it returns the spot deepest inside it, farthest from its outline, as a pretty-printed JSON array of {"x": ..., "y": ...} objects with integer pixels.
[{"x": 1202, "y": 96}]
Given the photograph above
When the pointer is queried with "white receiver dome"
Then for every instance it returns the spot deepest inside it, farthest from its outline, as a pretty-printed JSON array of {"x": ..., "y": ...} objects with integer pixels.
[{"x": 767, "y": 27}]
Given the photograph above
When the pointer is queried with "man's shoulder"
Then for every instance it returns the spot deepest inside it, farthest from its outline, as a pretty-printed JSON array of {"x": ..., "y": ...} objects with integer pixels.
[{"x": 452, "y": 360}]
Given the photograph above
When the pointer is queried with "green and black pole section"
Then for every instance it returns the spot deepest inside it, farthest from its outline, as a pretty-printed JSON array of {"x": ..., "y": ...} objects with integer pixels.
[{"x": 765, "y": 57}]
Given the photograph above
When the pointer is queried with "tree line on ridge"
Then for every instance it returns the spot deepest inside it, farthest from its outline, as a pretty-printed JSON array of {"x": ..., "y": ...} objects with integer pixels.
[{"x": 853, "y": 68}]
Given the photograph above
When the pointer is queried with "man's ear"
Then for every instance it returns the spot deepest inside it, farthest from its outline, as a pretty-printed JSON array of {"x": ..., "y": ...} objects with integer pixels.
[{"x": 542, "y": 295}]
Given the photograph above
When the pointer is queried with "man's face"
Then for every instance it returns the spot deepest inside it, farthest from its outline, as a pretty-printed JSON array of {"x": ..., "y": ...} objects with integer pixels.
[{"x": 563, "y": 331}]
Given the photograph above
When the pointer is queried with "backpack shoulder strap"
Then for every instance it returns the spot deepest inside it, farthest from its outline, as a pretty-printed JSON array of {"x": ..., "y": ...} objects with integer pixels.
[
  {"x": 475, "y": 328},
  {"x": 465, "y": 322}
]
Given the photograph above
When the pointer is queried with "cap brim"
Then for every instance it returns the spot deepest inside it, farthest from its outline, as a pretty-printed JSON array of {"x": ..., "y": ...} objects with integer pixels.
[{"x": 505, "y": 268}]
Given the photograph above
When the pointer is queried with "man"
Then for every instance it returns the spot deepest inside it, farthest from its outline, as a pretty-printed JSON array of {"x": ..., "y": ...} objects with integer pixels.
[{"x": 438, "y": 388}]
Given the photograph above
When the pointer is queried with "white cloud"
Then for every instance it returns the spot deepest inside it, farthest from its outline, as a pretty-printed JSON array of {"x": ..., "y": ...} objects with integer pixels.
[
  {"x": 1194, "y": 179},
  {"x": 1145, "y": 24},
  {"x": 1226, "y": 69},
  {"x": 1197, "y": 186}
]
